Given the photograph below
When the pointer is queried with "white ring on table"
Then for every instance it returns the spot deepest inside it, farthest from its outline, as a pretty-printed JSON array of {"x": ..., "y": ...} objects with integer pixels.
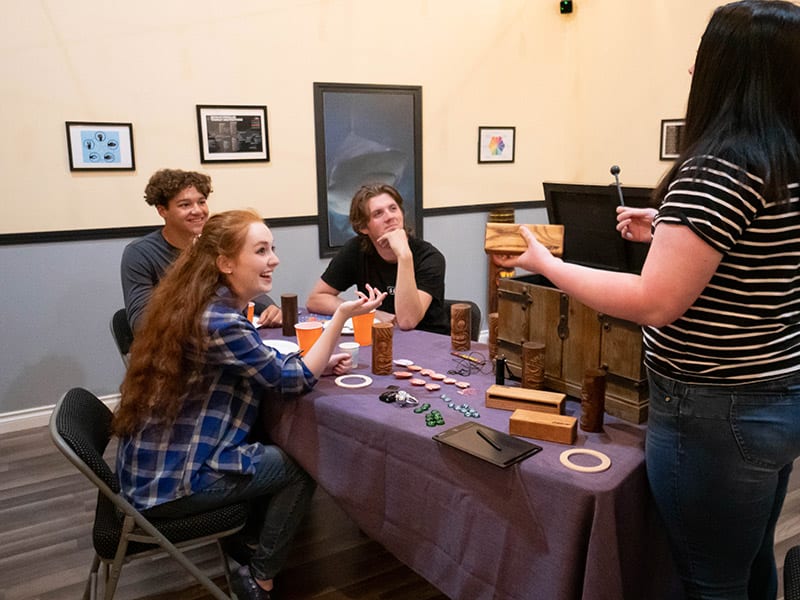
[
  {"x": 364, "y": 381},
  {"x": 605, "y": 462}
]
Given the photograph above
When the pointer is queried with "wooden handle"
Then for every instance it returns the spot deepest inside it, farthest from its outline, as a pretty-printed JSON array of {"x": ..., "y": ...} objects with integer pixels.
[{"x": 504, "y": 238}]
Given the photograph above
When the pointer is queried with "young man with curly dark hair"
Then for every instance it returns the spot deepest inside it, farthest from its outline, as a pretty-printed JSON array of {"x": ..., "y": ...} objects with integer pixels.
[{"x": 180, "y": 197}]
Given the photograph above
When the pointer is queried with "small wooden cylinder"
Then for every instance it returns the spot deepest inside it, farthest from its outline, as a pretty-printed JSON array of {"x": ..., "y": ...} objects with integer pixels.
[
  {"x": 289, "y": 313},
  {"x": 533, "y": 365},
  {"x": 460, "y": 326},
  {"x": 497, "y": 215},
  {"x": 494, "y": 321},
  {"x": 382, "y": 348},
  {"x": 593, "y": 400},
  {"x": 503, "y": 214}
]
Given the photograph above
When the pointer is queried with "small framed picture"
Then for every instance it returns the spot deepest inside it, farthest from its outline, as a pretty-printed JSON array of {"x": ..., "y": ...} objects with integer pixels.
[
  {"x": 671, "y": 132},
  {"x": 496, "y": 144},
  {"x": 100, "y": 146},
  {"x": 233, "y": 133}
]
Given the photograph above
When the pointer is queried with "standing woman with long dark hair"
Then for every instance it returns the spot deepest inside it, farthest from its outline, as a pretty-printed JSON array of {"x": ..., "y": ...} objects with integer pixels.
[
  {"x": 719, "y": 299},
  {"x": 191, "y": 395}
]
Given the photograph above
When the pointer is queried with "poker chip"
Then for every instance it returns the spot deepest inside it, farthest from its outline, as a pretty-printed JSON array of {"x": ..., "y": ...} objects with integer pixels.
[
  {"x": 417, "y": 382},
  {"x": 414, "y": 368},
  {"x": 402, "y": 374},
  {"x": 432, "y": 387},
  {"x": 462, "y": 384},
  {"x": 448, "y": 380},
  {"x": 438, "y": 376},
  {"x": 403, "y": 362},
  {"x": 427, "y": 372}
]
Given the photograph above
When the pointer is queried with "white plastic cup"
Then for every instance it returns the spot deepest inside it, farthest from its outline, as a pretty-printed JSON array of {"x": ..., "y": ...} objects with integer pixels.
[{"x": 352, "y": 349}]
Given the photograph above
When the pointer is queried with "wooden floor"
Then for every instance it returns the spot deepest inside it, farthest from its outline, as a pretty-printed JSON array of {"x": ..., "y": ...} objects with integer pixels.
[{"x": 46, "y": 511}]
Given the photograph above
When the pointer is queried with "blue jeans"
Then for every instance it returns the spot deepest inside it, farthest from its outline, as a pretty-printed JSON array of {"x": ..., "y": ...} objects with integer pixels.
[
  {"x": 718, "y": 462},
  {"x": 279, "y": 495}
]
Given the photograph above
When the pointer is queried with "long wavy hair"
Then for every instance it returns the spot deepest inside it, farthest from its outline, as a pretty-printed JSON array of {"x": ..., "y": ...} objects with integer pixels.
[
  {"x": 744, "y": 102},
  {"x": 168, "y": 350}
]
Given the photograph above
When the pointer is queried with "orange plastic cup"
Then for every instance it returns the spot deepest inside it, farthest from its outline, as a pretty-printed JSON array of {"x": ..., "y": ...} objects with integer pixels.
[
  {"x": 308, "y": 333},
  {"x": 251, "y": 309},
  {"x": 362, "y": 328}
]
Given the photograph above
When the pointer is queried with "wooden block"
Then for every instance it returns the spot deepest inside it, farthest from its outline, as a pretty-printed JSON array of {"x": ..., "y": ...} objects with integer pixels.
[
  {"x": 504, "y": 238},
  {"x": 511, "y": 398},
  {"x": 543, "y": 426}
]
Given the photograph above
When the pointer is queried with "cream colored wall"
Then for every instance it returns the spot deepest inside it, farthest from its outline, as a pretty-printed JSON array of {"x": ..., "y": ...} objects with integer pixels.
[{"x": 584, "y": 91}]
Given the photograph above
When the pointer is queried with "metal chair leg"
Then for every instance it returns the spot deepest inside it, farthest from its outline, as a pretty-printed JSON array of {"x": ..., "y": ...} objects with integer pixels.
[
  {"x": 225, "y": 564},
  {"x": 90, "y": 589}
]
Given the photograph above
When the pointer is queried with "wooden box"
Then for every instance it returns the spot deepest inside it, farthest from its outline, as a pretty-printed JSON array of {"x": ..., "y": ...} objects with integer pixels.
[
  {"x": 543, "y": 426},
  {"x": 576, "y": 338},
  {"x": 511, "y": 398}
]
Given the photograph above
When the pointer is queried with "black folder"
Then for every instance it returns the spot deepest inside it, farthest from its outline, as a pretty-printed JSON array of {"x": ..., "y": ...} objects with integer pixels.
[{"x": 487, "y": 444}]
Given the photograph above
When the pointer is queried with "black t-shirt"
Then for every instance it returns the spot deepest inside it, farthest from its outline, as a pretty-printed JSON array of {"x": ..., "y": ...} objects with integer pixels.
[{"x": 352, "y": 266}]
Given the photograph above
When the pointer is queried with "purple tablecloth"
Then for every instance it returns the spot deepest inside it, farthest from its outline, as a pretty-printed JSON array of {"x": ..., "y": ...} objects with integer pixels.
[{"x": 535, "y": 530}]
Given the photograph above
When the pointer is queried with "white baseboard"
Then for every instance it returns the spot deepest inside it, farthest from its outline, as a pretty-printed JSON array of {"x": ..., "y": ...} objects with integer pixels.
[{"x": 30, "y": 418}]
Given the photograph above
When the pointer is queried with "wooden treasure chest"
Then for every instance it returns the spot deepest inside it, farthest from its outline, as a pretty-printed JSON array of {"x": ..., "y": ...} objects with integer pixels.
[{"x": 576, "y": 338}]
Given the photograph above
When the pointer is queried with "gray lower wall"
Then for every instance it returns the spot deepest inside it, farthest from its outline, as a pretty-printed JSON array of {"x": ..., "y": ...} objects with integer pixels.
[{"x": 58, "y": 298}]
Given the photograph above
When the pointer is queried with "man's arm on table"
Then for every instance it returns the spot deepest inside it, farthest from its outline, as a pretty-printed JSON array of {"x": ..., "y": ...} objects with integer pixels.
[{"x": 323, "y": 299}]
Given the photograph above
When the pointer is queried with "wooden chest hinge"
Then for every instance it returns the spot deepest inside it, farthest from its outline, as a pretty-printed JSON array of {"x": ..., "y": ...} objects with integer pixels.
[
  {"x": 523, "y": 297},
  {"x": 563, "y": 317}
]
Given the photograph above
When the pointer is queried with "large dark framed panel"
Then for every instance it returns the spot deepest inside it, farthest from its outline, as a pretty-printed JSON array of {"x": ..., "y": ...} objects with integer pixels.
[{"x": 365, "y": 134}]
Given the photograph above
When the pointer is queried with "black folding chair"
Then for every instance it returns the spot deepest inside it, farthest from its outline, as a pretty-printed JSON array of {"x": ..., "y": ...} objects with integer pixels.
[
  {"x": 80, "y": 429},
  {"x": 791, "y": 574},
  {"x": 122, "y": 334}
]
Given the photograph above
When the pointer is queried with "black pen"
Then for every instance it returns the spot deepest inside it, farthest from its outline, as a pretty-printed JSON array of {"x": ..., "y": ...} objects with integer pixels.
[{"x": 489, "y": 440}]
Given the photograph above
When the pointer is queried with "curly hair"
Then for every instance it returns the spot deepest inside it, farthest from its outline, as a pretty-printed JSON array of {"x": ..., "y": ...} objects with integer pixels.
[
  {"x": 168, "y": 183},
  {"x": 167, "y": 355}
]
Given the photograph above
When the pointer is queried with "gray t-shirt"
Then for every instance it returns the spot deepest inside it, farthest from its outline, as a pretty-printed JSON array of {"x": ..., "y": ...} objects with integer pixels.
[{"x": 144, "y": 262}]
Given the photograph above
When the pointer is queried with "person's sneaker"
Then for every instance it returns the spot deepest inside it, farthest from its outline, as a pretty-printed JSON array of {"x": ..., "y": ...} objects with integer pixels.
[{"x": 245, "y": 587}]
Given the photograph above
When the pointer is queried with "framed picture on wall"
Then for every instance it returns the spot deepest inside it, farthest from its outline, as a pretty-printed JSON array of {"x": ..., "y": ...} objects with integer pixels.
[
  {"x": 100, "y": 146},
  {"x": 232, "y": 133},
  {"x": 496, "y": 144},
  {"x": 365, "y": 134},
  {"x": 671, "y": 131}
]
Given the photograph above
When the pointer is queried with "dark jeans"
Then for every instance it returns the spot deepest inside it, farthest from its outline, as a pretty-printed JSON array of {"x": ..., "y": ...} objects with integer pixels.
[
  {"x": 279, "y": 494},
  {"x": 718, "y": 462}
]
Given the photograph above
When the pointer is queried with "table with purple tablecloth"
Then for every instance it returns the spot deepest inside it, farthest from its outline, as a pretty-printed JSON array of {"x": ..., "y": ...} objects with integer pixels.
[{"x": 534, "y": 530}]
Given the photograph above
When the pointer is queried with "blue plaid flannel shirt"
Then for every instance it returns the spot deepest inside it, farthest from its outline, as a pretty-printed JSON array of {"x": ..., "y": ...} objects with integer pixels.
[{"x": 160, "y": 464}]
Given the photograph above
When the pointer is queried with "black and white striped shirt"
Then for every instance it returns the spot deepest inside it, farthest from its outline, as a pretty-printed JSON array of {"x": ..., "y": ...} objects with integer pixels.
[{"x": 745, "y": 326}]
